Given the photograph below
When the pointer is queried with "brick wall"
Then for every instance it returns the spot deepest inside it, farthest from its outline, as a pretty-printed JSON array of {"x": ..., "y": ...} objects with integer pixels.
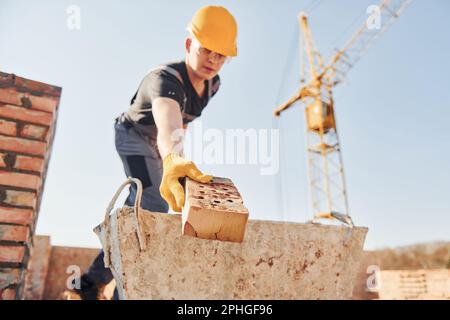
[
  {"x": 424, "y": 256},
  {"x": 414, "y": 284},
  {"x": 28, "y": 113}
]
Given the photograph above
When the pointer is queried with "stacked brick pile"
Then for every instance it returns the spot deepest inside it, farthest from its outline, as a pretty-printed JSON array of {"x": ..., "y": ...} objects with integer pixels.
[{"x": 28, "y": 113}]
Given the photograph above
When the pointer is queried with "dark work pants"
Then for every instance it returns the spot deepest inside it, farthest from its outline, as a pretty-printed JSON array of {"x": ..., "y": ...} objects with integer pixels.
[{"x": 140, "y": 160}]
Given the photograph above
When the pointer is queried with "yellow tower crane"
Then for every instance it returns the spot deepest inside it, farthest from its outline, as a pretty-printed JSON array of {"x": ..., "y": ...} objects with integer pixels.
[{"x": 325, "y": 166}]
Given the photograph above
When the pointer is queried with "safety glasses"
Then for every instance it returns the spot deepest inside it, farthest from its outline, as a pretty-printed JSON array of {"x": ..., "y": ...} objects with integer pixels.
[{"x": 202, "y": 51}]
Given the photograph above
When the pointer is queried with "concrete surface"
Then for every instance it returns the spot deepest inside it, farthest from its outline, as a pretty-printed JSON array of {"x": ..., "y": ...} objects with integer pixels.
[{"x": 276, "y": 260}]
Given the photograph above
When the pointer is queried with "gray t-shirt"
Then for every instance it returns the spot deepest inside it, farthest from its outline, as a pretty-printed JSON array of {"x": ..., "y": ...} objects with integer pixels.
[{"x": 170, "y": 81}]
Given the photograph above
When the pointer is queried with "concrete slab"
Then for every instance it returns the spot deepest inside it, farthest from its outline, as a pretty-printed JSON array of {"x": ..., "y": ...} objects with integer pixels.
[{"x": 276, "y": 260}]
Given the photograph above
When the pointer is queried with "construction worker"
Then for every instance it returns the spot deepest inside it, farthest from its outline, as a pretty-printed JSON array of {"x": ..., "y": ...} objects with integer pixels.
[{"x": 147, "y": 136}]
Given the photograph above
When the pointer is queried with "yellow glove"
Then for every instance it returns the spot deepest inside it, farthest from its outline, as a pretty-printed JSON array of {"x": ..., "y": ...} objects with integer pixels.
[{"x": 175, "y": 167}]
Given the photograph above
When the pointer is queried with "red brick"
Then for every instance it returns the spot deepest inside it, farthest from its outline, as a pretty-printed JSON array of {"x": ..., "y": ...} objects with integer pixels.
[
  {"x": 14, "y": 233},
  {"x": 37, "y": 269},
  {"x": 214, "y": 211},
  {"x": 16, "y": 216},
  {"x": 27, "y": 115},
  {"x": 8, "y": 294},
  {"x": 22, "y": 145},
  {"x": 8, "y": 127},
  {"x": 6, "y": 80},
  {"x": 9, "y": 276},
  {"x": 12, "y": 254},
  {"x": 25, "y": 99},
  {"x": 10, "y": 95},
  {"x": 20, "y": 180},
  {"x": 29, "y": 163},
  {"x": 49, "y": 134},
  {"x": 36, "y": 86},
  {"x": 2, "y": 160},
  {"x": 47, "y": 104},
  {"x": 35, "y": 132},
  {"x": 20, "y": 198}
]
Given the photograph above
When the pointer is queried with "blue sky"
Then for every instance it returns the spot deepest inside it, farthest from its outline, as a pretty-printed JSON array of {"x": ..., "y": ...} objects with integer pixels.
[{"x": 392, "y": 113}]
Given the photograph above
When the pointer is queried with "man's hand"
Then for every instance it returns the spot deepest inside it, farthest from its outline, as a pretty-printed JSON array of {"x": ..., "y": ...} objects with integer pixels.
[{"x": 174, "y": 168}]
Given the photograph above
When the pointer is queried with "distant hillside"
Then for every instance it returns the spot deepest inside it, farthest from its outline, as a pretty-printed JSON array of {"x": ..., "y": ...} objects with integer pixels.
[{"x": 434, "y": 255}]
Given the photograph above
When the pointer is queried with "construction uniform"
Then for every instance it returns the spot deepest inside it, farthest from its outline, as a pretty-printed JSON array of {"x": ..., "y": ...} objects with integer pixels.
[{"x": 136, "y": 136}]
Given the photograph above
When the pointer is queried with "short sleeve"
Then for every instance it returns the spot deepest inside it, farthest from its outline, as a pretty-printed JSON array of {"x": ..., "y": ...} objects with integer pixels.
[
  {"x": 215, "y": 85},
  {"x": 162, "y": 84}
]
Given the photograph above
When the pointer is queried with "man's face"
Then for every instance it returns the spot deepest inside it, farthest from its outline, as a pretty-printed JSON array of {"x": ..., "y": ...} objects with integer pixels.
[{"x": 205, "y": 63}]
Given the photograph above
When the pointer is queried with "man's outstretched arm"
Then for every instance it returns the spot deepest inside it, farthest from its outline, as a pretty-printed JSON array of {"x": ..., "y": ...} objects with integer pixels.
[{"x": 169, "y": 122}]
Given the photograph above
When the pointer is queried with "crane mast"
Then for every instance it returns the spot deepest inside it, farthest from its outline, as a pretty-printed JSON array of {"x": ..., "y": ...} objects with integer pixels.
[{"x": 325, "y": 166}]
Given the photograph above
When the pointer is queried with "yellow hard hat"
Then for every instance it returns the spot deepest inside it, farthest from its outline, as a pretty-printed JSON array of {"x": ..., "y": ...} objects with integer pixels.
[{"x": 216, "y": 29}]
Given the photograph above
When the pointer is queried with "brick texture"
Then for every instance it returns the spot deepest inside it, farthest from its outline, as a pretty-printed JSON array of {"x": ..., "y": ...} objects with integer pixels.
[
  {"x": 37, "y": 268},
  {"x": 19, "y": 198},
  {"x": 8, "y": 128},
  {"x": 13, "y": 233},
  {"x": 8, "y": 277},
  {"x": 214, "y": 211},
  {"x": 3, "y": 161},
  {"x": 11, "y": 254},
  {"x": 23, "y": 145},
  {"x": 28, "y": 115},
  {"x": 432, "y": 284},
  {"x": 27, "y": 85},
  {"x": 8, "y": 294},
  {"x": 34, "y": 132},
  {"x": 15, "y": 97},
  {"x": 16, "y": 216},
  {"x": 29, "y": 163},
  {"x": 20, "y": 180}
]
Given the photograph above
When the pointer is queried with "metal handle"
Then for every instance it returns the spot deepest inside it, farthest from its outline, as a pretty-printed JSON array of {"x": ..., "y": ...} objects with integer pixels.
[{"x": 137, "y": 206}]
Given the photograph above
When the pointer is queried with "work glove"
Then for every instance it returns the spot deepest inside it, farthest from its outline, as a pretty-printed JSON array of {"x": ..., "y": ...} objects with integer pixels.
[{"x": 176, "y": 167}]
